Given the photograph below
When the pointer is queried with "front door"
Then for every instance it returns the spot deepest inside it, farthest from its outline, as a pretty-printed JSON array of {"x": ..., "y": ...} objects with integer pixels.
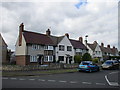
[{"x": 40, "y": 59}]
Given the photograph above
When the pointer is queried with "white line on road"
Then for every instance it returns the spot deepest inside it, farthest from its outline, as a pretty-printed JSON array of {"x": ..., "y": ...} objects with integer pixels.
[
  {"x": 73, "y": 82},
  {"x": 21, "y": 79},
  {"x": 100, "y": 84},
  {"x": 31, "y": 79},
  {"x": 41, "y": 80},
  {"x": 63, "y": 81},
  {"x": 51, "y": 80},
  {"x": 111, "y": 83},
  {"x": 113, "y": 72},
  {"x": 13, "y": 78},
  {"x": 4, "y": 78},
  {"x": 86, "y": 83}
]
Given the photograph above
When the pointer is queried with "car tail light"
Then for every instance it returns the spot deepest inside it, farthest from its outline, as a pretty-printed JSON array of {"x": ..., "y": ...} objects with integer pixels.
[{"x": 88, "y": 66}]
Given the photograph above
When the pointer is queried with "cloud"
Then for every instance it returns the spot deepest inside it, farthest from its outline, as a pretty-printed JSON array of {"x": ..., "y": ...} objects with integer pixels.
[{"x": 97, "y": 19}]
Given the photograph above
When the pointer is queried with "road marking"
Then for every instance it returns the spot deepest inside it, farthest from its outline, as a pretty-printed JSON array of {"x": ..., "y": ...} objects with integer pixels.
[
  {"x": 4, "y": 78},
  {"x": 51, "y": 80},
  {"x": 73, "y": 82},
  {"x": 41, "y": 80},
  {"x": 13, "y": 78},
  {"x": 31, "y": 79},
  {"x": 113, "y": 72},
  {"x": 63, "y": 81},
  {"x": 100, "y": 84},
  {"x": 111, "y": 83},
  {"x": 86, "y": 83},
  {"x": 21, "y": 79}
]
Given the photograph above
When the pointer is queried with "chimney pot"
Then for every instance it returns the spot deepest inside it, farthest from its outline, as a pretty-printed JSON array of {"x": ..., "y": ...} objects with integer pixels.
[
  {"x": 81, "y": 39},
  {"x": 48, "y": 32},
  {"x": 67, "y": 35},
  {"x": 108, "y": 46},
  {"x": 114, "y": 47},
  {"x": 102, "y": 44}
]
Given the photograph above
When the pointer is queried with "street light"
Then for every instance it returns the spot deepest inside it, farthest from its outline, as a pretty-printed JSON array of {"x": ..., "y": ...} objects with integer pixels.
[{"x": 86, "y": 40}]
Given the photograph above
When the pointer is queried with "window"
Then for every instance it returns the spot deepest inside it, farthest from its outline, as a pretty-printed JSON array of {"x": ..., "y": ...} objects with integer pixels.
[
  {"x": 69, "y": 48},
  {"x": 48, "y": 58},
  {"x": 48, "y": 52},
  {"x": 48, "y": 48},
  {"x": 36, "y": 47},
  {"x": 61, "y": 47},
  {"x": 61, "y": 58},
  {"x": 33, "y": 58}
]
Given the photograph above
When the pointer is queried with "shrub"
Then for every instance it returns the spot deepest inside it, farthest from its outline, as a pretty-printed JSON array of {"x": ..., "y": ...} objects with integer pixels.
[
  {"x": 95, "y": 60},
  {"x": 86, "y": 57},
  {"x": 77, "y": 58}
]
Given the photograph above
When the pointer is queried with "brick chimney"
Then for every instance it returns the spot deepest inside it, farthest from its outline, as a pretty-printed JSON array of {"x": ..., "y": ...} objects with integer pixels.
[
  {"x": 81, "y": 39},
  {"x": 113, "y": 47},
  {"x": 48, "y": 32},
  {"x": 102, "y": 44},
  {"x": 67, "y": 35},
  {"x": 108, "y": 46},
  {"x": 21, "y": 29}
]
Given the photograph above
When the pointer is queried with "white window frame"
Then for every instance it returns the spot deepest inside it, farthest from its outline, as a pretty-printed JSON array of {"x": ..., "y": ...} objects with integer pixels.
[{"x": 33, "y": 58}]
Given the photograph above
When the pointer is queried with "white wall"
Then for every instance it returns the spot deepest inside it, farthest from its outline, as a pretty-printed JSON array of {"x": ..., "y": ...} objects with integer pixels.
[
  {"x": 65, "y": 41},
  {"x": 98, "y": 50},
  {"x": 20, "y": 50}
]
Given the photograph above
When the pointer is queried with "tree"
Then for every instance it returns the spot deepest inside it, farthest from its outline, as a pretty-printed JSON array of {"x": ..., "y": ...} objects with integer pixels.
[
  {"x": 77, "y": 58},
  {"x": 86, "y": 57}
]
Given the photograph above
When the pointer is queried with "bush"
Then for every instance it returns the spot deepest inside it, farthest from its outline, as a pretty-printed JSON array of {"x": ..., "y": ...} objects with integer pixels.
[
  {"x": 86, "y": 57},
  {"x": 95, "y": 60},
  {"x": 77, "y": 58}
]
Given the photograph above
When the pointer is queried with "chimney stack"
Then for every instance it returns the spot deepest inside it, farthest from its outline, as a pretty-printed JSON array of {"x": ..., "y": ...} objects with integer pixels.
[
  {"x": 48, "y": 32},
  {"x": 108, "y": 46},
  {"x": 21, "y": 29},
  {"x": 102, "y": 44},
  {"x": 113, "y": 47},
  {"x": 81, "y": 39},
  {"x": 67, "y": 35}
]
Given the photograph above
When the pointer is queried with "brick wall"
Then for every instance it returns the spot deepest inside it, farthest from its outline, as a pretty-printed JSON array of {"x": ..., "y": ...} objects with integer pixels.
[{"x": 21, "y": 60}]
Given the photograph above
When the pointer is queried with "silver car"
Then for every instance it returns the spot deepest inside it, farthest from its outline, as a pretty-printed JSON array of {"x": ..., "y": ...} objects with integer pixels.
[{"x": 110, "y": 64}]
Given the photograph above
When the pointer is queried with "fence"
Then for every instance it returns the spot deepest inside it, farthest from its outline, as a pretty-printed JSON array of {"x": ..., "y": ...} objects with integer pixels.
[{"x": 38, "y": 67}]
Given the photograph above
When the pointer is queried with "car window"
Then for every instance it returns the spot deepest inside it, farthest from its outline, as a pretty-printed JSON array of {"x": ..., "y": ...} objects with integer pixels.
[{"x": 109, "y": 63}]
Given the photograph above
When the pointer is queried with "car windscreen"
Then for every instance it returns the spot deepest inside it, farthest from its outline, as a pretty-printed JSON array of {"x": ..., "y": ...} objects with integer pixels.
[
  {"x": 109, "y": 63},
  {"x": 85, "y": 63}
]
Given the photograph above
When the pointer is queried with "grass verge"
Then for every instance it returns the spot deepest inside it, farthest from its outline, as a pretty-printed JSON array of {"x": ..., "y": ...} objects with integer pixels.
[{"x": 37, "y": 73}]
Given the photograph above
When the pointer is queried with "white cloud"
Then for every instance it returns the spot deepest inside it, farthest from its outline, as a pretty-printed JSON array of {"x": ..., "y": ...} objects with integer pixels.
[{"x": 97, "y": 18}]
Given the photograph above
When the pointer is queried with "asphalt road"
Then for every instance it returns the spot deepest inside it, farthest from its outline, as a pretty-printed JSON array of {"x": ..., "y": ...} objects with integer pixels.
[{"x": 101, "y": 79}]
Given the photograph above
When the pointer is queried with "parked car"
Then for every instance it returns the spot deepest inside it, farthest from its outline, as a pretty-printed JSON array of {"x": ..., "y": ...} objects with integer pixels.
[
  {"x": 110, "y": 64},
  {"x": 88, "y": 66}
]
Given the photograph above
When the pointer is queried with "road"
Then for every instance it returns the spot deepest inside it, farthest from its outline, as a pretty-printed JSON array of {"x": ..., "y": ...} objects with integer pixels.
[{"x": 101, "y": 79}]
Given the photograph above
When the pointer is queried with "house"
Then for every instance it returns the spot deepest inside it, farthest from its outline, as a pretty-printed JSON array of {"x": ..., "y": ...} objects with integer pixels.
[
  {"x": 108, "y": 51},
  {"x": 37, "y": 48},
  {"x": 79, "y": 47},
  {"x": 101, "y": 52},
  {"x": 3, "y": 50},
  {"x": 95, "y": 50}
]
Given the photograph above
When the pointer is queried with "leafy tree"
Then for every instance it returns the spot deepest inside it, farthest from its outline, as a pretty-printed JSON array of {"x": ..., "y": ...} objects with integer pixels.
[
  {"x": 77, "y": 58},
  {"x": 86, "y": 57}
]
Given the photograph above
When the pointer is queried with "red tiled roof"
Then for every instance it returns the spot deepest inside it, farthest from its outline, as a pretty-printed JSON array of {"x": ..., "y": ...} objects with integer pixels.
[
  {"x": 37, "y": 38},
  {"x": 77, "y": 44}
]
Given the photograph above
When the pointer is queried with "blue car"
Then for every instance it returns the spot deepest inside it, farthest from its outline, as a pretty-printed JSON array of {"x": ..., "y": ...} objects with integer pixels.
[{"x": 88, "y": 66}]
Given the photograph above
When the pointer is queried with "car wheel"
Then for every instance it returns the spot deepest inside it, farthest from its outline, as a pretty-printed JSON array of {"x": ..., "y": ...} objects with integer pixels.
[
  {"x": 90, "y": 70},
  {"x": 98, "y": 69}
]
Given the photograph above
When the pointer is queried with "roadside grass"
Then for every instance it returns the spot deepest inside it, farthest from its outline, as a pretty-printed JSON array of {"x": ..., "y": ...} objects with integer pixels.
[{"x": 37, "y": 73}]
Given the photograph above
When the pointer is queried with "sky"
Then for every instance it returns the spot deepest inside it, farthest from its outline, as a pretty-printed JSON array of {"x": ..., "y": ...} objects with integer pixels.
[{"x": 96, "y": 18}]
